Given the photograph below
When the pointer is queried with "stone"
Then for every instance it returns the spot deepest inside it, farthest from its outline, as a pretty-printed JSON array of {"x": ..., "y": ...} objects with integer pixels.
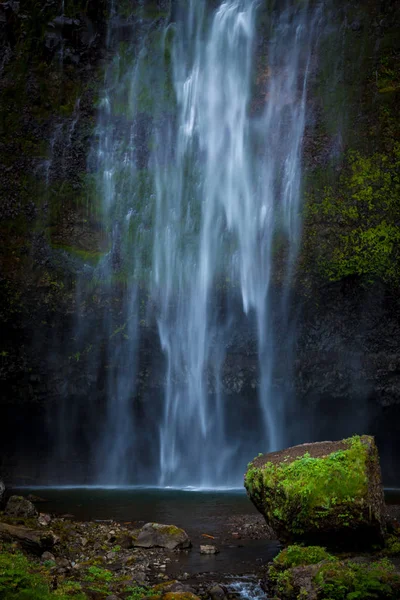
[
  {"x": 217, "y": 592},
  {"x": 48, "y": 556},
  {"x": 208, "y": 549},
  {"x": 324, "y": 493},
  {"x": 153, "y": 535},
  {"x": 126, "y": 542},
  {"x": 44, "y": 520},
  {"x": 63, "y": 563},
  {"x": 18, "y": 506},
  {"x": 113, "y": 597}
]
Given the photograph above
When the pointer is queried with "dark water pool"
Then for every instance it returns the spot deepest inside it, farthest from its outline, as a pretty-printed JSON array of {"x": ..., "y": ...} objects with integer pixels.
[{"x": 198, "y": 512}]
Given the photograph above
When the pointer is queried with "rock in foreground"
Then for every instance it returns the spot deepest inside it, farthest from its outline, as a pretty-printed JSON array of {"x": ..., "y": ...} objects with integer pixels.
[
  {"x": 328, "y": 493},
  {"x": 154, "y": 535}
]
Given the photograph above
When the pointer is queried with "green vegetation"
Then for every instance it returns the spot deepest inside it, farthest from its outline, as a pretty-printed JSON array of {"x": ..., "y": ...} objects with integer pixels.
[
  {"x": 138, "y": 592},
  {"x": 294, "y": 556},
  {"x": 358, "y": 581},
  {"x": 21, "y": 579},
  {"x": 331, "y": 578},
  {"x": 392, "y": 545},
  {"x": 361, "y": 215}
]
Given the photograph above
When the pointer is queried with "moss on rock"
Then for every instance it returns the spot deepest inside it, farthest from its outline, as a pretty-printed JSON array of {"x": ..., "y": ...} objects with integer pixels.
[
  {"x": 311, "y": 573},
  {"x": 327, "y": 492}
]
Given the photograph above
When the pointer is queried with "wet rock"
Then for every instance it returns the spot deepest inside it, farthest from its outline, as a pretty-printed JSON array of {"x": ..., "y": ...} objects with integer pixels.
[
  {"x": 126, "y": 542},
  {"x": 326, "y": 493},
  {"x": 209, "y": 549},
  {"x": 44, "y": 520},
  {"x": 154, "y": 535},
  {"x": 18, "y": 506},
  {"x": 217, "y": 592}
]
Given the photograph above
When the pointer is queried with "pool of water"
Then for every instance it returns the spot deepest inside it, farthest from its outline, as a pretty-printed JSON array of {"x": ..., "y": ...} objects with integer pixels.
[{"x": 198, "y": 512}]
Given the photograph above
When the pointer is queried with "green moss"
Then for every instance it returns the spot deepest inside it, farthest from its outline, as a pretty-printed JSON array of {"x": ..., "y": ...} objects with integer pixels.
[
  {"x": 98, "y": 574},
  {"x": 331, "y": 579},
  {"x": 24, "y": 580},
  {"x": 138, "y": 592},
  {"x": 392, "y": 545},
  {"x": 355, "y": 581},
  {"x": 296, "y": 555},
  {"x": 359, "y": 220},
  {"x": 308, "y": 492}
]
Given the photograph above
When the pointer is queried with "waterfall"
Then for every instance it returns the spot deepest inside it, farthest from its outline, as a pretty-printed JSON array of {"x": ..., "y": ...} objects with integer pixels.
[
  {"x": 227, "y": 185},
  {"x": 198, "y": 161}
]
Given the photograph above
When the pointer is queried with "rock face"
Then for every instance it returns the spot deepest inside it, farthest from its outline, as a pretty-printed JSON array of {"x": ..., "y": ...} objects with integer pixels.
[
  {"x": 17, "y": 506},
  {"x": 162, "y": 536},
  {"x": 327, "y": 492}
]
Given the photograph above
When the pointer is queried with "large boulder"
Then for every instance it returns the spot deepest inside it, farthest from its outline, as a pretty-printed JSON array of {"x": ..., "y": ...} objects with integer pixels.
[
  {"x": 327, "y": 493},
  {"x": 18, "y": 506},
  {"x": 162, "y": 536}
]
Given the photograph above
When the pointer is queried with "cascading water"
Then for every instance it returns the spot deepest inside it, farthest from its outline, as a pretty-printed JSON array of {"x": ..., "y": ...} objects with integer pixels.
[
  {"x": 227, "y": 185},
  {"x": 198, "y": 189}
]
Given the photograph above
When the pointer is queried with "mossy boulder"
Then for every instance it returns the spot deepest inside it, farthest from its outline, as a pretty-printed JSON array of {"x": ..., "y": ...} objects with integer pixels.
[
  {"x": 154, "y": 535},
  {"x": 18, "y": 506},
  {"x": 312, "y": 573},
  {"x": 327, "y": 493}
]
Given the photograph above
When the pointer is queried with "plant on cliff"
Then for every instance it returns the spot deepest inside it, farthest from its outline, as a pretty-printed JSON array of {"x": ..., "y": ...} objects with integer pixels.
[{"x": 360, "y": 219}]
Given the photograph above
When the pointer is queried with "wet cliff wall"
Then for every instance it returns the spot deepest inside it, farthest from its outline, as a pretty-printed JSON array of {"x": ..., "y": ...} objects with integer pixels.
[{"x": 345, "y": 295}]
